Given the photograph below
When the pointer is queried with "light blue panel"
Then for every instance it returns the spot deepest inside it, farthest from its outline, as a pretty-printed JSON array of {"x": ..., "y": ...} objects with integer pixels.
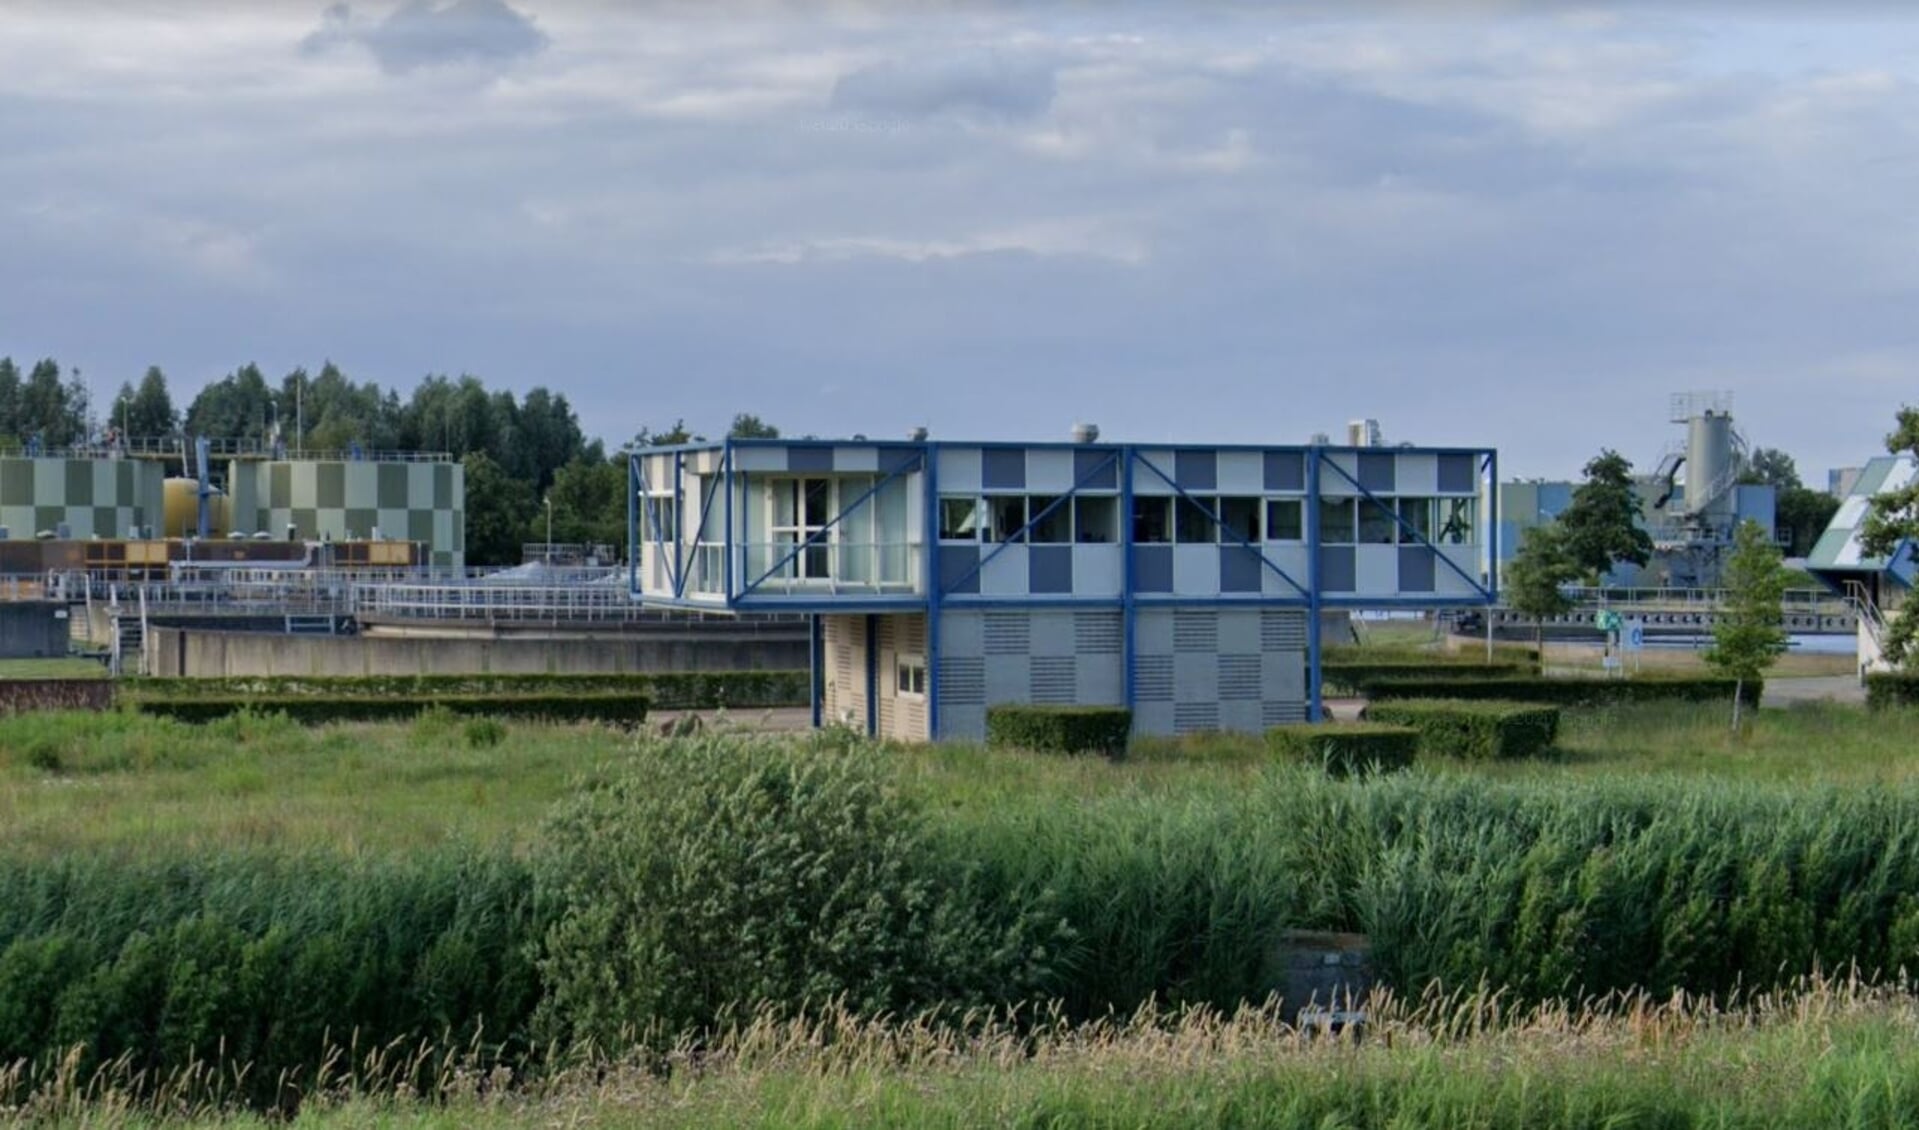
[
  {"x": 963, "y": 634},
  {"x": 1376, "y": 570},
  {"x": 106, "y": 487},
  {"x": 1239, "y": 632},
  {"x": 1098, "y": 570},
  {"x": 362, "y": 482},
  {"x": 705, "y": 462},
  {"x": 1446, "y": 582},
  {"x": 1510, "y": 537},
  {"x": 959, "y": 469},
  {"x": 1283, "y": 675},
  {"x": 861, "y": 459},
  {"x": 1048, "y": 471},
  {"x": 1757, "y": 502},
  {"x": 1153, "y": 718},
  {"x": 961, "y": 723},
  {"x": 1196, "y": 570},
  {"x": 443, "y": 534},
  {"x": 1242, "y": 472},
  {"x": 49, "y": 482},
  {"x": 1333, "y": 483},
  {"x": 1294, "y": 560},
  {"x": 1006, "y": 574},
  {"x": 1553, "y": 498},
  {"x": 1052, "y": 633},
  {"x": 1195, "y": 676},
  {"x": 749, "y": 458},
  {"x": 1153, "y": 632},
  {"x": 1009, "y": 678},
  {"x": 393, "y": 525},
  {"x": 1145, "y": 481},
  {"x": 1418, "y": 474},
  {"x": 419, "y": 486},
  {"x": 1240, "y": 717}
]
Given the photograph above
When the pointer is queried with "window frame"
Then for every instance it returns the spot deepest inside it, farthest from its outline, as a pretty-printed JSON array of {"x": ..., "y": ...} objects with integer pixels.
[{"x": 909, "y": 668}]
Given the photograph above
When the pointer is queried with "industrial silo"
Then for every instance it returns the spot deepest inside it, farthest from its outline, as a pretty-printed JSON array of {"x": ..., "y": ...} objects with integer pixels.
[{"x": 80, "y": 497}]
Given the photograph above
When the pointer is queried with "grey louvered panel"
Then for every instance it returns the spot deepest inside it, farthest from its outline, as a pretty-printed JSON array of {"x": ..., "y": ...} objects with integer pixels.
[
  {"x": 1097, "y": 633},
  {"x": 1195, "y": 631},
  {"x": 1008, "y": 633},
  {"x": 1240, "y": 677},
  {"x": 1189, "y": 717},
  {"x": 963, "y": 681},
  {"x": 1282, "y": 629},
  {"x": 1153, "y": 678},
  {"x": 1278, "y": 712},
  {"x": 1055, "y": 680}
]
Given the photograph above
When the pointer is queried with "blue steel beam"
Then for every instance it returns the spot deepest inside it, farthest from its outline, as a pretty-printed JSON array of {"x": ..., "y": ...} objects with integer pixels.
[
  {"x": 1215, "y": 519},
  {"x": 1078, "y": 486},
  {"x": 1407, "y": 526}
]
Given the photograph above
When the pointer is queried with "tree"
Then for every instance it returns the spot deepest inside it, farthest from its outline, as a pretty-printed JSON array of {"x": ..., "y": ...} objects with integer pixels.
[
  {"x": 1769, "y": 466},
  {"x": 148, "y": 411},
  {"x": 1803, "y": 514},
  {"x": 677, "y": 434},
  {"x": 1535, "y": 576},
  {"x": 1750, "y": 633},
  {"x": 52, "y": 411},
  {"x": 589, "y": 504},
  {"x": 10, "y": 429},
  {"x": 498, "y": 509},
  {"x": 239, "y": 406},
  {"x": 1892, "y": 520},
  {"x": 749, "y": 426},
  {"x": 1602, "y": 525}
]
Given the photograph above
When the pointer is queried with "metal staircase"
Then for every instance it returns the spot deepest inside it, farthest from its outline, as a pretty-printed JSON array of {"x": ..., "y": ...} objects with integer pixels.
[{"x": 127, "y": 613}]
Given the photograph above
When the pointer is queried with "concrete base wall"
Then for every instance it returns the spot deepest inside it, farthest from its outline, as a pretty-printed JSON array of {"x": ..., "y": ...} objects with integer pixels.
[
  {"x": 33, "y": 630},
  {"x": 177, "y": 652}
]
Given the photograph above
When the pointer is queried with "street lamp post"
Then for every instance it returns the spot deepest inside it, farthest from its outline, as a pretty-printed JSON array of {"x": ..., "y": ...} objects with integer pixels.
[{"x": 548, "y": 555}]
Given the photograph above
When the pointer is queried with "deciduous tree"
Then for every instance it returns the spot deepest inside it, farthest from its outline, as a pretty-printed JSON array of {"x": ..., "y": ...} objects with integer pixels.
[
  {"x": 1749, "y": 634},
  {"x": 1536, "y": 575},
  {"x": 1601, "y": 526}
]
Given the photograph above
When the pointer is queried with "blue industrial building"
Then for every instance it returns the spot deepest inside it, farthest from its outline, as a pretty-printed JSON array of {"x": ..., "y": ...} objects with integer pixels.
[{"x": 942, "y": 578}]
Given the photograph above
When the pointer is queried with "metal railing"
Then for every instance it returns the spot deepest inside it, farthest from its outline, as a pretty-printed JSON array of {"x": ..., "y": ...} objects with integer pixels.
[
  {"x": 167, "y": 447},
  {"x": 827, "y": 567},
  {"x": 1804, "y": 599}
]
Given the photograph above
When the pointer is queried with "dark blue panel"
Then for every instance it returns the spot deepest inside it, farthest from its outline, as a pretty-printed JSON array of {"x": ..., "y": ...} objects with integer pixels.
[
  {"x": 1456, "y": 474},
  {"x": 1101, "y": 465},
  {"x": 957, "y": 561},
  {"x": 1152, "y": 568},
  {"x": 894, "y": 459},
  {"x": 1196, "y": 470},
  {"x": 1337, "y": 572},
  {"x": 1376, "y": 471},
  {"x": 809, "y": 459},
  {"x": 1415, "y": 568},
  {"x": 1003, "y": 468},
  {"x": 1238, "y": 569},
  {"x": 1049, "y": 568},
  {"x": 1285, "y": 470}
]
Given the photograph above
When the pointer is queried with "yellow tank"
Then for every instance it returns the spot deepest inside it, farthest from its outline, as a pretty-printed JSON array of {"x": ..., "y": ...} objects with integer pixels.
[{"x": 182, "y": 510}]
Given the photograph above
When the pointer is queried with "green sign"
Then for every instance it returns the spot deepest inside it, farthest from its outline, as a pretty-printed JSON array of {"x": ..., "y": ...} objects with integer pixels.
[{"x": 1606, "y": 620}]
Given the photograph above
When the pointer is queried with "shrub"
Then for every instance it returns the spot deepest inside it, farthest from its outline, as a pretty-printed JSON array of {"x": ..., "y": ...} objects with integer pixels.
[
  {"x": 484, "y": 733},
  {"x": 1060, "y": 729},
  {"x": 723, "y": 875},
  {"x": 1566, "y": 692},
  {"x": 1352, "y": 675},
  {"x": 1346, "y": 748},
  {"x": 1477, "y": 731},
  {"x": 1888, "y": 689}
]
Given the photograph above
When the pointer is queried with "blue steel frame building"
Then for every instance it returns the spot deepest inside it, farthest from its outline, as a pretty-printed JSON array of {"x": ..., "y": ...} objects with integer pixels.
[{"x": 940, "y": 578}]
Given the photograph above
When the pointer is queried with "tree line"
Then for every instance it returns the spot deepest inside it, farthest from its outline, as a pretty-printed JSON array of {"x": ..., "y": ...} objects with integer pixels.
[{"x": 522, "y": 454}]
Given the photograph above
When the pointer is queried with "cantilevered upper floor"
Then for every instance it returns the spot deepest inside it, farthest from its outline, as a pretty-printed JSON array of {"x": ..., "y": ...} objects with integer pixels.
[{"x": 840, "y": 526}]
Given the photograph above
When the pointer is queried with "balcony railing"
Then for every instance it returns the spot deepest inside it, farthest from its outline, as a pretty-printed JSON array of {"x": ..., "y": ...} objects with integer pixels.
[{"x": 825, "y": 568}]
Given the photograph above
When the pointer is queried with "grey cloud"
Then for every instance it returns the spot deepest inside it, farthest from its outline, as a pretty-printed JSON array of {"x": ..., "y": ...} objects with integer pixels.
[
  {"x": 424, "y": 33},
  {"x": 987, "y": 85}
]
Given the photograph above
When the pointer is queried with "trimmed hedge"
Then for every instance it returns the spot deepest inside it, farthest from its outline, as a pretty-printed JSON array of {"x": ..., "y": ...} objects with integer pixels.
[
  {"x": 1888, "y": 689},
  {"x": 1476, "y": 731},
  {"x": 673, "y": 690},
  {"x": 1346, "y": 748},
  {"x": 1566, "y": 692},
  {"x": 1060, "y": 729},
  {"x": 314, "y": 710},
  {"x": 1350, "y": 675}
]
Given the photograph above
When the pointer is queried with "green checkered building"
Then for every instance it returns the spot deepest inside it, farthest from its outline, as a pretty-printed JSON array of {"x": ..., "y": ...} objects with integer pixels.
[
  {"x": 104, "y": 498},
  {"x": 345, "y": 500}
]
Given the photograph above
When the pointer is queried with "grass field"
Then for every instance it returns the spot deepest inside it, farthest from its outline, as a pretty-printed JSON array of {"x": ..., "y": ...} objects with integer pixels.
[{"x": 52, "y": 669}]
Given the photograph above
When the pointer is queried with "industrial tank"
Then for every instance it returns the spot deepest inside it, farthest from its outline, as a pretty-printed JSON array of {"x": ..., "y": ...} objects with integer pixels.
[
  {"x": 183, "y": 510},
  {"x": 1709, "y": 458}
]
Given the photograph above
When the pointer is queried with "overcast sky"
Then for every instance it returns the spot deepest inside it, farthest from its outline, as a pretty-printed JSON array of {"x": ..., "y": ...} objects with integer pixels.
[{"x": 1181, "y": 221}]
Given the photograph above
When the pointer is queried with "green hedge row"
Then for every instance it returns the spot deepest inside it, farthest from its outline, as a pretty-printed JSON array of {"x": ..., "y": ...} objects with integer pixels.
[
  {"x": 674, "y": 690},
  {"x": 1565, "y": 692},
  {"x": 1887, "y": 689},
  {"x": 312, "y": 710},
  {"x": 1351, "y": 675},
  {"x": 1476, "y": 731},
  {"x": 1346, "y": 748},
  {"x": 1467, "y": 655},
  {"x": 1060, "y": 729}
]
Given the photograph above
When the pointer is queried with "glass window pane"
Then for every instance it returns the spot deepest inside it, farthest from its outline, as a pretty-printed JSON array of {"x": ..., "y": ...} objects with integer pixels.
[
  {"x": 1055, "y": 528},
  {"x": 1285, "y": 520},
  {"x": 1096, "y": 519},
  {"x": 1195, "y": 528},
  {"x": 1241, "y": 516},
  {"x": 1336, "y": 521},
  {"x": 1009, "y": 515},
  {"x": 1376, "y": 524},
  {"x": 1417, "y": 514},
  {"x": 1457, "y": 529},
  {"x": 1152, "y": 520},
  {"x": 818, "y": 502},
  {"x": 959, "y": 518}
]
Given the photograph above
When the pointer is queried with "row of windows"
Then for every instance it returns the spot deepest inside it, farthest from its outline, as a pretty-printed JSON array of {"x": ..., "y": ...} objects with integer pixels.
[{"x": 1093, "y": 519}]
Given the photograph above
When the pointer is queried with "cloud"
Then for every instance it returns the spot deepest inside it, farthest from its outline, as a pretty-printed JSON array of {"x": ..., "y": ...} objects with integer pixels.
[
  {"x": 989, "y": 86},
  {"x": 425, "y": 33}
]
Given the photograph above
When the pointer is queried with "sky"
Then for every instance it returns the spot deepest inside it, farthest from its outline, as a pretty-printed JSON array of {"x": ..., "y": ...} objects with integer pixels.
[{"x": 1523, "y": 226}]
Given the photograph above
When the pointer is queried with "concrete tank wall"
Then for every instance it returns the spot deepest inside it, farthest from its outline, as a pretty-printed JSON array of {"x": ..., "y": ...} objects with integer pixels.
[
  {"x": 209, "y": 654},
  {"x": 33, "y": 630},
  {"x": 106, "y": 498}
]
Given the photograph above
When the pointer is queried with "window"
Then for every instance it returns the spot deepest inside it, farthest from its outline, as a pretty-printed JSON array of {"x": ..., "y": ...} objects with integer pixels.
[
  {"x": 1416, "y": 516},
  {"x": 960, "y": 518},
  {"x": 910, "y": 675},
  {"x": 1194, "y": 527},
  {"x": 1152, "y": 519},
  {"x": 1376, "y": 524},
  {"x": 1054, "y": 528},
  {"x": 1095, "y": 519},
  {"x": 666, "y": 514},
  {"x": 1456, "y": 526},
  {"x": 1336, "y": 521},
  {"x": 1241, "y": 518},
  {"x": 801, "y": 509},
  {"x": 1285, "y": 520},
  {"x": 1009, "y": 516}
]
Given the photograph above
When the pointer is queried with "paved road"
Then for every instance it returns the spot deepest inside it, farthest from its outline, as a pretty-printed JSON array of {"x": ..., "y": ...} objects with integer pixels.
[{"x": 1824, "y": 688}]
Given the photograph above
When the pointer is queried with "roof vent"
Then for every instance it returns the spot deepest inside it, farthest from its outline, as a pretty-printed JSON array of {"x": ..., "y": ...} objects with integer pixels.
[
  {"x": 1085, "y": 433},
  {"x": 917, "y": 435}
]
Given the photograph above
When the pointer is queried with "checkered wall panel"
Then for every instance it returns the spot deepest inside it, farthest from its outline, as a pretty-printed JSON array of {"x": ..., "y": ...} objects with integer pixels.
[
  {"x": 345, "y": 501},
  {"x": 106, "y": 498}
]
